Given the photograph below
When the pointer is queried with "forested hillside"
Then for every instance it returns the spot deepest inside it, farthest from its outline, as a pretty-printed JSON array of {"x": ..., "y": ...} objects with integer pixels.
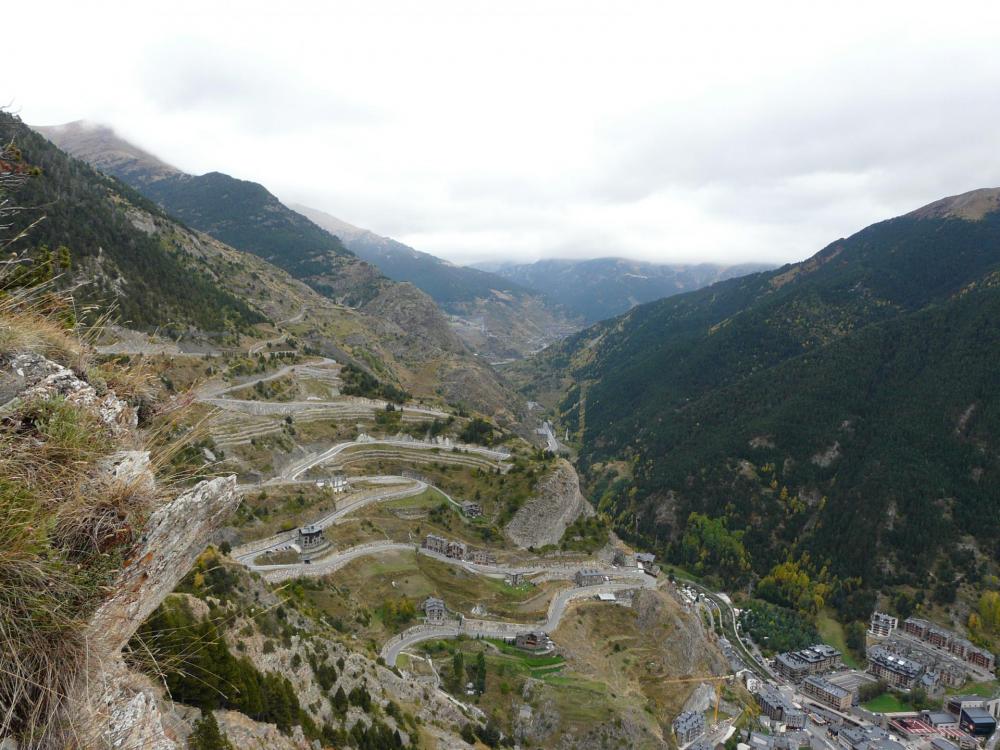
[
  {"x": 841, "y": 412},
  {"x": 152, "y": 283},
  {"x": 243, "y": 214}
]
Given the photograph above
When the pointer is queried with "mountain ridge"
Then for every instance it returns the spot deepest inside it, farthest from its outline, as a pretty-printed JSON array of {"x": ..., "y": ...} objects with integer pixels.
[
  {"x": 379, "y": 331},
  {"x": 493, "y": 315},
  {"x": 114, "y": 260},
  {"x": 241, "y": 213},
  {"x": 688, "y": 397},
  {"x": 102, "y": 148},
  {"x": 600, "y": 288}
]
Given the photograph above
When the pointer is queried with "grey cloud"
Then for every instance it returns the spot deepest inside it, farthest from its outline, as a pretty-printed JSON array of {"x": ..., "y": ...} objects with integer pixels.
[
  {"x": 659, "y": 132},
  {"x": 265, "y": 95}
]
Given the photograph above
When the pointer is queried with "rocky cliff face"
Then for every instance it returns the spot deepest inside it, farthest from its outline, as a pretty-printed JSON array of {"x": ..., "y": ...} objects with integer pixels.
[
  {"x": 557, "y": 503},
  {"x": 115, "y": 707},
  {"x": 105, "y": 705}
]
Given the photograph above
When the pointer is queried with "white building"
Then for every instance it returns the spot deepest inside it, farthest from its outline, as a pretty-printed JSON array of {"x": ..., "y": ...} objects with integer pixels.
[{"x": 882, "y": 624}]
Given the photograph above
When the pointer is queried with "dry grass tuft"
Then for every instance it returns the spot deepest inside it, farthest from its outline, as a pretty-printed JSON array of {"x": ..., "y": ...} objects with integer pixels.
[
  {"x": 39, "y": 322},
  {"x": 66, "y": 527},
  {"x": 47, "y": 588}
]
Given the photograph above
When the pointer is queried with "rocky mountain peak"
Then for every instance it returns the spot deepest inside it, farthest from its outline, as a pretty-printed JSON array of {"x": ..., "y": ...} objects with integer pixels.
[
  {"x": 100, "y": 146},
  {"x": 972, "y": 206}
]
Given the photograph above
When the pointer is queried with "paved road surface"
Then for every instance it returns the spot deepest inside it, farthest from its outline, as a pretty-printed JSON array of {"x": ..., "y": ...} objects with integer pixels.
[
  {"x": 551, "y": 442},
  {"x": 328, "y": 564},
  {"x": 415, "y": 488},
  {"x": 728, "y": 619},
  {"x": 496, "y": 629},
  {"x": 214, "y": 389},
  {"x": 277, "y": 339},
  {"x": 298, "y": 468}
]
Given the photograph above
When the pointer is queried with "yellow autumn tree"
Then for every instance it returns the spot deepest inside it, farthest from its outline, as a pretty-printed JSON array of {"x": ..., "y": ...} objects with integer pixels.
[
  {"x": 989, "y": 611},
  {"x": 790, "y": 584},
  {"x": 974, "y": 623}
]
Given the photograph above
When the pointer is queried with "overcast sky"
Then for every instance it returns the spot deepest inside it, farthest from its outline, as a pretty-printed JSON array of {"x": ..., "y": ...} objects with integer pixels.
[{"x": 506, "y": 130}]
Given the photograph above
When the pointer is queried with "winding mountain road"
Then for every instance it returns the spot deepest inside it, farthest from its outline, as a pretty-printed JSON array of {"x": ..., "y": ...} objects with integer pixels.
[
  {"x": 213, "y": 390},
  {"x": 298, "y": 468},
  {"x": 497, "y": 629},
  {"x": 259, "y": 346},
  {"x": 216, "y": 394},
  {"x": 415, "y": 487}
]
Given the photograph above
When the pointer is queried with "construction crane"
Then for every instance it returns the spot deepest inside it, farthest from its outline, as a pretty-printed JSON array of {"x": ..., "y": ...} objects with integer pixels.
[{"x": 716, "y": 681}]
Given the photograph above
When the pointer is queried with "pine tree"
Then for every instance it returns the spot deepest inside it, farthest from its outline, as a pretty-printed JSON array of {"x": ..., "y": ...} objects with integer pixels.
[
  {"x": 481, "y": 673},
  {"x": 340, "y": 702},
  {"x": 458, "y": 670},
  {"x": 207, "y": 735}
]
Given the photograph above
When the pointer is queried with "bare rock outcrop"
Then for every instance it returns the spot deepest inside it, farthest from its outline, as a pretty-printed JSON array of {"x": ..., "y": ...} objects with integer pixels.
[
  {"x": 107, "y": 705},
  {"x": 29, "y": 377},
  {"x": 248, "y": 734},
  {"x": 173, "y": 537},
  {"x": 557, "y": 503},
  {"x": 113, "y": 707}
]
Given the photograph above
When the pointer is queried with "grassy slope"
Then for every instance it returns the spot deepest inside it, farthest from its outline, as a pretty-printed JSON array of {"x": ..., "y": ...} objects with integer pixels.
[{"x": 832, "y": 632}]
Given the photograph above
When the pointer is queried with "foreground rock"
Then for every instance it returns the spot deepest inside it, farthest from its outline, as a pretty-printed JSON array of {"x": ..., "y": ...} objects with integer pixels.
[{"x": 113, "y": 707}]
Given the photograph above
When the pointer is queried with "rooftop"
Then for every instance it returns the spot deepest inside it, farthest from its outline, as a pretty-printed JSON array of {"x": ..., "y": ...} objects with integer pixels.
[
  {"x": 827, "y": 686},
  {"x": 688, "y": 720},
  {"x": 896, "y": 663},
  {"x": 939, "y": 717},
  {"x": 978, "y": 714}
]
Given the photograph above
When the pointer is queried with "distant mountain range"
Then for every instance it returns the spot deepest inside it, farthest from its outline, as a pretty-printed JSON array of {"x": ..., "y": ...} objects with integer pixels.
[
  {"x": 502, "y": 314},
  {"x": 554, "y": 296},
  {"x": 448, "y": 284},
  {"x": 602, "y": 288},
  {"x": 493, "y": 314},
  {"x": 841, "y": 410},
  {"x": 257, "y": 263}
]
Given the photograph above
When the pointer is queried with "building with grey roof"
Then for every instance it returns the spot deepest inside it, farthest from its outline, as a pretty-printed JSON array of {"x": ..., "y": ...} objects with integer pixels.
[
  {"x": 897, "y": 671},
  {"x": 688, "y": 726},
  {"x": 775, "y": 706},
  {"x": 472, "y": 509},
  {"x": 916, "y": 626},
  {"x": 589, "y": 577},
  {"x": 863, "y": 738},
  {"x": 434, "y": 609},
  {"x": 826, "y": 692},
  {"x": 882, "y": 624},
  {"x": 816, "y": 659},
  {"x": 977, "y": 721}
]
